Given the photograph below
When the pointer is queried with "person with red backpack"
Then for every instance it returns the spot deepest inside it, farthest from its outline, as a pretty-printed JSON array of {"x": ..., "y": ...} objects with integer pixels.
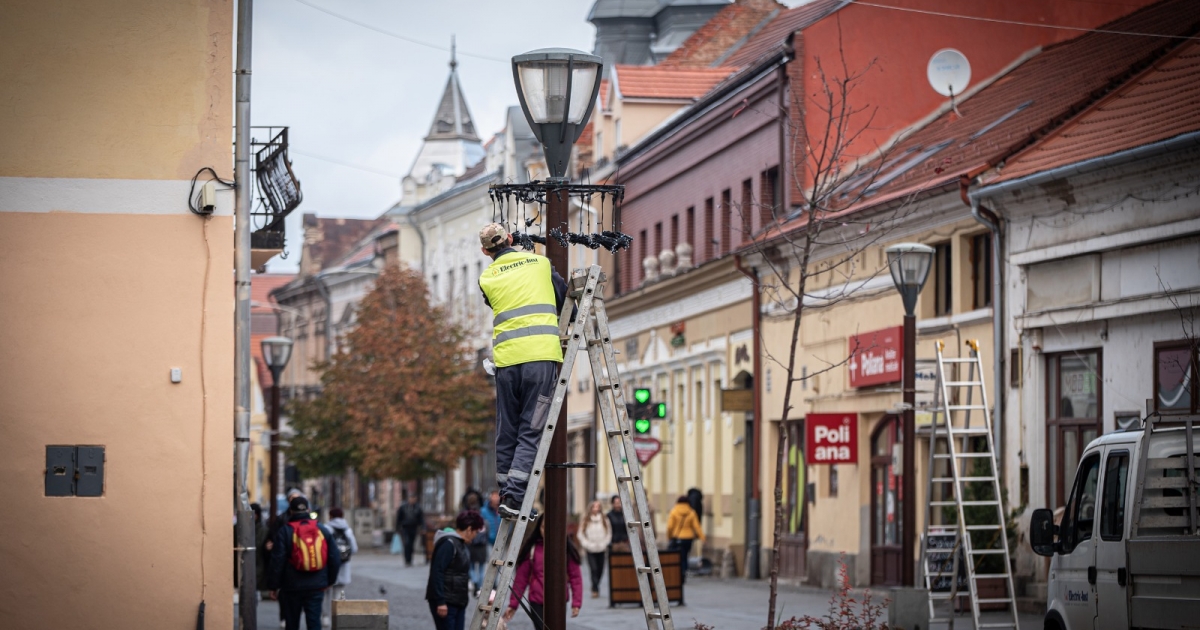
[{"x": 304, "y": 562}]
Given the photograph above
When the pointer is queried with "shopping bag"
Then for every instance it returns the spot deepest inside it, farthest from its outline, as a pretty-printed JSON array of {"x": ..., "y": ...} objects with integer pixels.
[{"x": 396, "y": 545}]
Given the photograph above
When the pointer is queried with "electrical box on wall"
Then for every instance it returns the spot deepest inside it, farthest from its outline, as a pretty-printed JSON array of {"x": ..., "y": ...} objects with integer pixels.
[{"x": 74, "y": 471}]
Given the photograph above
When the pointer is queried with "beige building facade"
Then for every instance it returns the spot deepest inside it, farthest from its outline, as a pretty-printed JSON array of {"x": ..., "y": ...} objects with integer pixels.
[{"x": 110, "y": 284}]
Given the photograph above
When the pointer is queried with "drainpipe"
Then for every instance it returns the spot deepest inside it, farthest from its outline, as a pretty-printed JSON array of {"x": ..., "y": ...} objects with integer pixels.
[
  {"x": 754, "y": 504},
  {"x": 992, "y": 222}
]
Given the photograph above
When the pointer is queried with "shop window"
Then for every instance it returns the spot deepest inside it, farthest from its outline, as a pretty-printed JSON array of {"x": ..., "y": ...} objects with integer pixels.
[
  {"x": 707, "y": 245},
  {"x": 747, "y": 214},
  {"x": 981, "y": 270},
  {"x": 833, "y": 481},
  {"x": 689, "y": 235},
  {"x": 658, "y": 238},
  {"x": 1073, "y": 396},
  {"x": 769, "y": 194},
  {"x": 794, "y": 493},
  {"x": 674, "y": 231},
  {"x": 1175, "y": 377}
]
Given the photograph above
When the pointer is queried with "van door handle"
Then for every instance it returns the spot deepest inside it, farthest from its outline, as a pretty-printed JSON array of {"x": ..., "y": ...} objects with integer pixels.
[
  {"x": 1092, "y": 575},
  {"x": 1122, "y": 576}
]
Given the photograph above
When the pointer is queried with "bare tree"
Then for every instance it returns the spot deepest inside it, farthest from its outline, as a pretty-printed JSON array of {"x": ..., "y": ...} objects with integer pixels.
[{"x": 822, "y": 240}]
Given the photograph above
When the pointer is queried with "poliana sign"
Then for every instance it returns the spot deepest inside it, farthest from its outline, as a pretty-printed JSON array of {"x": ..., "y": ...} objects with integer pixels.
[
  {"x": 832, "y": 438},
  {"x": 876, "y": 357}
]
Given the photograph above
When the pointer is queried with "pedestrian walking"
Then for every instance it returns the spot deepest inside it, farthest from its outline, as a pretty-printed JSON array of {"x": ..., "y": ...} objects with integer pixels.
[
  {"x": 526, "y": 296},
  {"x": 410, "y": 520},
  {"x": 531, "y": 575},
  {"x": 473, "y": 501},
  {"x": 620, "y": 531},
  {"x": 595, "y": 534},
  {"x": 446, "y": 589},
  {"x": 345, "y": 545},
  {"x": 304, "y": 562},
  {"x": 683, "y": 528},
  {"x": 491, "y": 516}
]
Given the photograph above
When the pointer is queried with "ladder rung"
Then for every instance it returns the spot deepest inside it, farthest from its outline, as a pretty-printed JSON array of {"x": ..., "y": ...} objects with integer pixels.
[
  {"x": 972, "y": 431},
  {"x": 972, "y": 503},
  {"x": 624, "y": 478},
  {"x": 993, "y": 600},
  {"x": 962, "y": 479},
  {"x": 965, "y": 407},
  {"x": 645, "y": 570},
  {"x": 942, "y": 503},
  {"x": 617, "y": 432},
  {"x": 604, "y": 386},
  {"x": 982, "y": 527},
  {"x": 962, "y": 383},
  {"x": 953, "y": 360},
  {"x": 987, "y": 576},
  {"x": 985, "y": 552},
  {"x": 656, "y": 615},
  {"x": 960, "y": 455}
]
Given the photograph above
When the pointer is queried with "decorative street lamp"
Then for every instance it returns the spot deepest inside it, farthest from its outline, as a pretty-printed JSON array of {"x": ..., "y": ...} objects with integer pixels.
[
  {"x": 909, "y": 264},
  {"x": 557, "y": 88},
  {"x": 276, "y": 352}
]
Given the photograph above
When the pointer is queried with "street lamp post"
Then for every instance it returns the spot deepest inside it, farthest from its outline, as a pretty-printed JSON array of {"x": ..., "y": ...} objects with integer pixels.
[
  {"x": 276, "y": 352},
  {"x": 557, "y": 89},
  {"x": 909, "y": 264}
]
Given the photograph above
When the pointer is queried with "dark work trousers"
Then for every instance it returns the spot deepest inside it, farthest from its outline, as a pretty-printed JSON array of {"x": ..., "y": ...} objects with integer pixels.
[
  {"x": 684, "y": 547},
  {"x": 408, "y": 536},
  {"x": 596, "y": 568},
  {"x": 456, "y": 619},
  {"x": 523, "y": 394},
  {"x": 293, "y": 603}
]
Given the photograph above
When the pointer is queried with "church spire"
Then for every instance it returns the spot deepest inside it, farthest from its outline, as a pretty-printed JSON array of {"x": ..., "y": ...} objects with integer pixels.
[{"x": 452, "y": 120}]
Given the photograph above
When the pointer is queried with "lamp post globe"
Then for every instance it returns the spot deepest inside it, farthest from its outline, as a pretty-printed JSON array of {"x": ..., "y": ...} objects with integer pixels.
[
  {"x": 909, "y": 264},
  {"x": 276, "y": 352},
  {"x": 557, "y": 88}
]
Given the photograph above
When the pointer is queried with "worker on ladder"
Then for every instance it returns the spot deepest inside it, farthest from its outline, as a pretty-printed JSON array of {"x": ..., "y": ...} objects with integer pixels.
[{"x": 526, "y": 295}]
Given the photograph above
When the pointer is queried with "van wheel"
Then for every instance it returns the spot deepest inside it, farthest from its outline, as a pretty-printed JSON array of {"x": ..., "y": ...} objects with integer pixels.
[{"x": 1052, "y": 622}]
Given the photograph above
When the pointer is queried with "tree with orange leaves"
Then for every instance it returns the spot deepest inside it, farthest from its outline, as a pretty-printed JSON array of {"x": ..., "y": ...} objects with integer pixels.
[{"x": 402, "y": 398}]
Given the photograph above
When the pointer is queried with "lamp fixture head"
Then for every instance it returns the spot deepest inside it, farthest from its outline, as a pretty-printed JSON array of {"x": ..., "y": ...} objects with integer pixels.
[
  {"x": 909, "y": 264},
  {"x": 557, "y": 88},
  {"x": 276, "y": 352}
]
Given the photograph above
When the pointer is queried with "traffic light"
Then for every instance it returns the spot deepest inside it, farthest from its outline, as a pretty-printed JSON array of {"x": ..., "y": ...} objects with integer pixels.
[
  {"x": 660, "y": 411},
  {"x": 643, "y": 410},
  {"x": 641, "y": 395},
  {"x": 641, "y": 426}
]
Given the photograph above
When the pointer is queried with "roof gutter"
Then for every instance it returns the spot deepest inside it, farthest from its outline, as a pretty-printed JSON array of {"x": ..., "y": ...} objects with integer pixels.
[
  {"x": 1180, "y": 142},
  {"x": 994, "y": 224}
]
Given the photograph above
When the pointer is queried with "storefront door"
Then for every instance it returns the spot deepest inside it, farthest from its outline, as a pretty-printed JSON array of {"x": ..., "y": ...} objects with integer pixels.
[
  {"x": 793, "y": 545},
  {"x": 886, "y": 497}
]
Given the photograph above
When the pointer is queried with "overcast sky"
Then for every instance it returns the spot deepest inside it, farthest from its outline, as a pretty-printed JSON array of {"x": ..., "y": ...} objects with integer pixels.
[{"x": 359, "y": 101}]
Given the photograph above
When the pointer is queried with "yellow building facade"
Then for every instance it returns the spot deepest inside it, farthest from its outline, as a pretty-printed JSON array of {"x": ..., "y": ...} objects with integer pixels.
[
  {"x": 116, "y": 426},
  {"x": 853, "y": 511}
]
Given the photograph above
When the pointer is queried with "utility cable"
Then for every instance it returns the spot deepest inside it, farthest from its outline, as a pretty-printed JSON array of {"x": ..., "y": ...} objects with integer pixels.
[
  {"x": 344, "y": 163},
  {"x": 405, "y": 38},
  {"x": 1018, "y": 22}
]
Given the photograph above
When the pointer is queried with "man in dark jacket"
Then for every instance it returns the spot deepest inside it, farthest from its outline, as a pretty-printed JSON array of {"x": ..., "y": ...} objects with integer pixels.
[
  {"x": 449, "y": 572},
  {"x": 620, "y": 529},
  {"x": 300, "y": 590},
  {"x": 410, "y": 519}
]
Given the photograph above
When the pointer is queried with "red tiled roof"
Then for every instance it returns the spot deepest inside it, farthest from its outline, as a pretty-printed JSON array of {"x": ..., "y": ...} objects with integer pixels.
[
  {"x": 585, "y": 136},
  {"x": 667, "y": 83},
  {"x": 722, "y": 34},
  {"x": 336, "y": 237},
  {"x": 1162, "y": 103},
  {"x": 1035, "y": 98},
  {"x": 774, "y": 35},
  {"x": 261, "y": 285}
]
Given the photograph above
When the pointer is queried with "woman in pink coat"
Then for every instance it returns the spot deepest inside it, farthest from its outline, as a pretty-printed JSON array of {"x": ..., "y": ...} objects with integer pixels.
[{"x": 531, "y": 574}]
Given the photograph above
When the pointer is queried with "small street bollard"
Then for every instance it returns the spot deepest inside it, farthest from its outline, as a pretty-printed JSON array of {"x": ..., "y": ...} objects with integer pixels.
[{"x": 360, "y": 614}]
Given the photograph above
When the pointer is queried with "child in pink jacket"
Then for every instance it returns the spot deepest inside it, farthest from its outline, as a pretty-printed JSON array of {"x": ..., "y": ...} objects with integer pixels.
[{"x": 531, "y": 574}]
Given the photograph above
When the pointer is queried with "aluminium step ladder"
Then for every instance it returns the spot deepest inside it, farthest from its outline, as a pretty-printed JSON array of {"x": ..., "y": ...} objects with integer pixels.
[
  {"x": 589, "y": 329},
  {"x": 967, "y": 480}
]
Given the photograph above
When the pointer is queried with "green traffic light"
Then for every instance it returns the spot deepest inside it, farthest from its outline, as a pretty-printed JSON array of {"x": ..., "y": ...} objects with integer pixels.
[
  {"x": 641, "y": 426},
  {"x": 641, "y": 395},
  {"x": 660, "y": 410}
]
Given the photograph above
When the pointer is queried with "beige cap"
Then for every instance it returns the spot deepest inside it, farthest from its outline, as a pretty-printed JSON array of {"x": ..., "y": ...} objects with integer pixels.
[{"x": 493, "y": 235}]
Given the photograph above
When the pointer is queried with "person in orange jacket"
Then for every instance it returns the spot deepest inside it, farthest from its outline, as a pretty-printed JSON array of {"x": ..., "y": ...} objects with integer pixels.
[{"x": 683, "y": 528}]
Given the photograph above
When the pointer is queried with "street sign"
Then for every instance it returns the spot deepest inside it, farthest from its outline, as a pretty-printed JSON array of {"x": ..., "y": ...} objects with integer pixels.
[
  {"x": 876, "y": 357},
  {"x": 646, "y": 448},
  {"x": 737, "y": 400},
  {"x": 832, "y": 438}
]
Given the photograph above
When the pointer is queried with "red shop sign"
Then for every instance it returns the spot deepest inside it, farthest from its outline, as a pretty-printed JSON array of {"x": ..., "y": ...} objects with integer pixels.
[
  {"x": 831, "y": 438},
  {"x": 876, "y": 357}
]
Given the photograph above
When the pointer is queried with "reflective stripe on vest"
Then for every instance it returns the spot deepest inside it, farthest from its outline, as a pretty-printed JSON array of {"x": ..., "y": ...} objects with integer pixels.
[{"x": 525, "y": 321}]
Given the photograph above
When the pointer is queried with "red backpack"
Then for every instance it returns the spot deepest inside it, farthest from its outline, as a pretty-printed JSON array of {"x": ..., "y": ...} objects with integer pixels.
[{"x": 309, "y": 550}]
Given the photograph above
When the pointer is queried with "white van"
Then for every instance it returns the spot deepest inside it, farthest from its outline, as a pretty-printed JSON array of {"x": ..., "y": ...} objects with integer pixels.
[{"x": 1114, "y": 567}]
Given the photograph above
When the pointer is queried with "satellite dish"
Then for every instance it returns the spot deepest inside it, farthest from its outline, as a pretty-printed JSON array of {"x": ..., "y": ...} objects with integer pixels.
[{"x": 949, "y": 72}]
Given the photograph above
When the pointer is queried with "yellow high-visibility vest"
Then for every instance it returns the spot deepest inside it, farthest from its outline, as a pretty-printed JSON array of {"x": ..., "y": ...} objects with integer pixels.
[{"x": 525, "y": 320}]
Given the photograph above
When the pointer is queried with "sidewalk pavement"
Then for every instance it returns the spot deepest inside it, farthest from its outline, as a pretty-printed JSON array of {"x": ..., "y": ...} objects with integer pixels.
[{"x": 733, "y": 604}]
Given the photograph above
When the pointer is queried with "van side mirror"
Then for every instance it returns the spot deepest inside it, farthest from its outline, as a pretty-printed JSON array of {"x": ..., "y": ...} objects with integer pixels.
[{"x": 1041, "y": 532}]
